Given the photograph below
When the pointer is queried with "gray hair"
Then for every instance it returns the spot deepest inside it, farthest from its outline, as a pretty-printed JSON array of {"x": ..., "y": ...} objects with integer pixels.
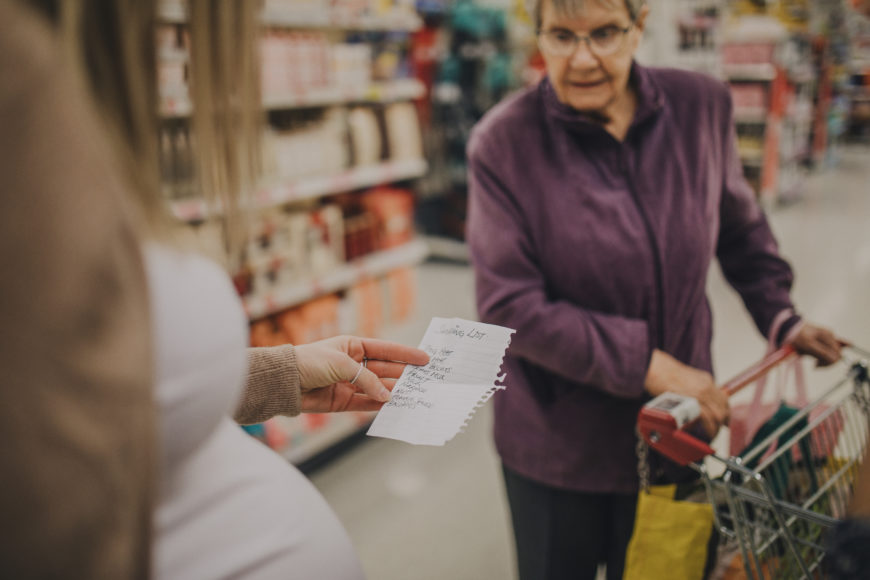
[{"x": 572, "y": 6}]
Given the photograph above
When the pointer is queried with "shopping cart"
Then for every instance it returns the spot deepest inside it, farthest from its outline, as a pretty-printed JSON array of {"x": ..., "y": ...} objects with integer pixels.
[{"x": 774, "y": 501}]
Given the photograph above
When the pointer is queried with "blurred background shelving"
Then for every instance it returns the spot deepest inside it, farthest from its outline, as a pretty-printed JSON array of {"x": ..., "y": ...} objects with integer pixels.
[{"x": 368, "y": 106}]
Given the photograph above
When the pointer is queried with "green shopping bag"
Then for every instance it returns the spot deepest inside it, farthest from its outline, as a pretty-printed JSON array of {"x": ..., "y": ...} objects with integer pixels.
[
  {"x": 670, "y": 538},
  {"x": 780, "y": 469}
]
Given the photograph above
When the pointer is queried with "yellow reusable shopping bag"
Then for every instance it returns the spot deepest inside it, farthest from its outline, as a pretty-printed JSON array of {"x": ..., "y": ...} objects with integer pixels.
[{"x": 670, "y": 537}]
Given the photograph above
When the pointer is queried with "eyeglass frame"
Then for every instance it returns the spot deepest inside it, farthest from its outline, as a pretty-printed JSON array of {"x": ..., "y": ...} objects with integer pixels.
[{"x": 588, "y": 39}]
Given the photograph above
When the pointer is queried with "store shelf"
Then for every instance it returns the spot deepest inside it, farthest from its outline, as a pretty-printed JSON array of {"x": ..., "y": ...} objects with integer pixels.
[
  {"x": 174, "y": 12},
  {"x": 380, "y": 92},
  {"x": 290, "y": 18},
  {"x": 397, "y": 90},
  {"x": 197, "y": 209},
  {"x": 306, "y": 445},
  {"x": 352, "y": 179},
  {"x": 752, "y": 160},
  {"x": 447, "y": 248},
  {"x": 750, "y": 115},
  {"x": 341, "y": 278},
  {"x": 763, "y": 72}
]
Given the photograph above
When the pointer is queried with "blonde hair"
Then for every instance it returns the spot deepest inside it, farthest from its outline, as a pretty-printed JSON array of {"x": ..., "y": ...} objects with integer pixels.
[{"x": 113, "y": 43}]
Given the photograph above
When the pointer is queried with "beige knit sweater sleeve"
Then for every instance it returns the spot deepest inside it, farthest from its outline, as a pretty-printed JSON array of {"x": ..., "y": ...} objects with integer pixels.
[{"x": 273, "y": 386}]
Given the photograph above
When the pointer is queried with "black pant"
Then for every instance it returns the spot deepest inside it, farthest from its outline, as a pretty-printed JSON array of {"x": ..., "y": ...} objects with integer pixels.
[{"x": 564, "y": 534}]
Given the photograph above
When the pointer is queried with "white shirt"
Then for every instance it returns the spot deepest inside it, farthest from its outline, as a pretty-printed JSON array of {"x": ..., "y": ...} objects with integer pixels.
[{"x": 229, "y": 507}]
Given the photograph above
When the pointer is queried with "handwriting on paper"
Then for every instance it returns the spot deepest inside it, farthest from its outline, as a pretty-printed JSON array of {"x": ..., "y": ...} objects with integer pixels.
[{"x": 431, "y": 403}]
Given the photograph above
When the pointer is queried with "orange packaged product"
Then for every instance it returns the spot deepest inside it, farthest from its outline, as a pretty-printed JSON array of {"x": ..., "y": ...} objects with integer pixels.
[
  {"x": 369, "y": 307},
  {"x": 393, "y": 209},
  {"x": 320, "y": 317},
  {"x": 402, "y": 292},
  {"x": 292, "y": 324},
  {"x": 266, "y": 333}
]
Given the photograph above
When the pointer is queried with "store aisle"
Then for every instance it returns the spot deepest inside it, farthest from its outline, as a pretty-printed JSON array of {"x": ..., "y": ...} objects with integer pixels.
[{"x": 421, "y": 513}]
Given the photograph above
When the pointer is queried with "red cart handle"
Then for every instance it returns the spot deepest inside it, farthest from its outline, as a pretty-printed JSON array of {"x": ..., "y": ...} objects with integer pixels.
[{"x": 661, "y": 421}]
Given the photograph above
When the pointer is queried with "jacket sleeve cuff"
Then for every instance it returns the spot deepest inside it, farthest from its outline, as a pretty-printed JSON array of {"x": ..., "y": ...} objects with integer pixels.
[
  {"x": 273, "y": 385},
  {"x": 784, "y": 328}
]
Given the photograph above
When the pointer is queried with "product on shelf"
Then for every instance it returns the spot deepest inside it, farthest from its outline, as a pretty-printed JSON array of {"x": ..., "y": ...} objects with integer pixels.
[
  {"x": 367, "y": 295},
  {"x": 401, "y": 292},
  {"x": 393, "y": 210},
  {"x": 287, "y": 247},
  {"x": 365, "y": 136},
  {"x": 323, "y": 258},
  {"x": 267, "y": 333},
  {"x": 315, "y": 320},
  {"x": 311, "y": 10},
  {"x": 173, "y": 50},
  {"x": 360, "y": 235},
  {"x": 293, "y": 62},
  {"x": 176, "y": 161},
  {"x": 351, "y": 65},
  {"x": 750, "y": 101},
  {"x": 299, "y": 144},
  {"x": 403, "y": 132}
]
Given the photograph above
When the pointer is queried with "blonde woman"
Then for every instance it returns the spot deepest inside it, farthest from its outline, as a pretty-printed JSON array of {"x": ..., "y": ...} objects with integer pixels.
[
  {"x": 226, "y": 507},
  {"x": 76, "y": 395}
]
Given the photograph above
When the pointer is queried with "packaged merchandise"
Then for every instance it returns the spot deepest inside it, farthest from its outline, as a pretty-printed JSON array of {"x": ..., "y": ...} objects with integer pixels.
[
  {"x": 403, "y": 132},
  {"x": 393, "y": 209},
  {"x": 365, "y": 136},
  {"x": 266, "y": 333},
  {"x": 369, "y": 303},
  {"x": 401, "y": 294},
  {"x": 299, "y": 144}
]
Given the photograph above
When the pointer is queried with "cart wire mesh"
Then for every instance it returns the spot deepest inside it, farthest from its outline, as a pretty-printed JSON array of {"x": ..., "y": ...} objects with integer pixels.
[{"x": 775, "y": 501}]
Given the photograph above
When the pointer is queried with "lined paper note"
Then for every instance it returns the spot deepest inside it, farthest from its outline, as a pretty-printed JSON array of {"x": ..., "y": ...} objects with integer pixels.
[{"x": 431, "y": 404}]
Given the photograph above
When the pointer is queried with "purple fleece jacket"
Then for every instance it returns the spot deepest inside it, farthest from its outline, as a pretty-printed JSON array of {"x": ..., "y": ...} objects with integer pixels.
[{"x": 596, "y": 251}]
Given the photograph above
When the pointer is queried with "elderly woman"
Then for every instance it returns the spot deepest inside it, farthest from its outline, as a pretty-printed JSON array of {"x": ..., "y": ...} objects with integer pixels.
[{"x": 598, "y": 200}]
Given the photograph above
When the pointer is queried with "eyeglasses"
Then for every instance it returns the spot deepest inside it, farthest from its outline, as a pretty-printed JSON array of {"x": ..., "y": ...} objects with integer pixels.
[{"x": 602, "y": 41}]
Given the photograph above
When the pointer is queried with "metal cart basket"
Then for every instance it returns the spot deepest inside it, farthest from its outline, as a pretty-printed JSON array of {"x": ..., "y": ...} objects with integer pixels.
[{"x": 775, "y": 500}]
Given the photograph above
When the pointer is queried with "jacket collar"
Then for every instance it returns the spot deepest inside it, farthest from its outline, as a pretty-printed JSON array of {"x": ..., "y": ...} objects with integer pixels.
[{"x": 650, "y": 102}]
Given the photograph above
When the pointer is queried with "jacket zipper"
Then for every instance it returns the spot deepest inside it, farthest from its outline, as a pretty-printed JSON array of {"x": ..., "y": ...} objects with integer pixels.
[{"x": 657, "y": 260}]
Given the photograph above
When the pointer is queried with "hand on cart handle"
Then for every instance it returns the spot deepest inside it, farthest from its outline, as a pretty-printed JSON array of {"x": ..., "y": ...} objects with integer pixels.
[
  {"x": 818, "y": 342},
  {"x": 668, "y": 375},
  {"x": 662, "y": 421}
]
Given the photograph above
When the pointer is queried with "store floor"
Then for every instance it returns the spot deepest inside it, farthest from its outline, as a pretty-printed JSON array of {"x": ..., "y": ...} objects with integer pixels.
[{"x": 427, "y": 513}]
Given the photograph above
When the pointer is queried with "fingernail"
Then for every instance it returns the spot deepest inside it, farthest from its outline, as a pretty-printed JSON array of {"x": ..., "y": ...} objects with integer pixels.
[{"x": 385, "y": 395}]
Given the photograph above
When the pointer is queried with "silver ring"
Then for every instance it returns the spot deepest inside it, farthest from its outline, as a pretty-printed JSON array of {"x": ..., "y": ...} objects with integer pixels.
[
  {"x": 358, "y": 372},
  {"x": 365, "y": 362}
]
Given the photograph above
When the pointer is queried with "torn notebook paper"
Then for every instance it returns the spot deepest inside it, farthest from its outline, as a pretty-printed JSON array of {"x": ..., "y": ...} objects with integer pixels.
[{"x": 432, "y": 403}]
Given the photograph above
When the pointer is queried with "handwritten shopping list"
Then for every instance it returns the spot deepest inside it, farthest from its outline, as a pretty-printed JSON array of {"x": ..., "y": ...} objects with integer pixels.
[{"x": 432, "y": 403}]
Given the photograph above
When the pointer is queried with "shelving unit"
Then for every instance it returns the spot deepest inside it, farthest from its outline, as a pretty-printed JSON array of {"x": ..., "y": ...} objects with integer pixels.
[
  {"x": 370, "y": 266},
  {"x": 331, "y": 224},
  {"x": 378, "y": 92},
  {"x": 175, "y": 13},
  {"x": 758, "y": 72},
  {"x": 279, "y": 194},
  {"x": 397, "y": 20},
  {"x": 749, "y": 115}
]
